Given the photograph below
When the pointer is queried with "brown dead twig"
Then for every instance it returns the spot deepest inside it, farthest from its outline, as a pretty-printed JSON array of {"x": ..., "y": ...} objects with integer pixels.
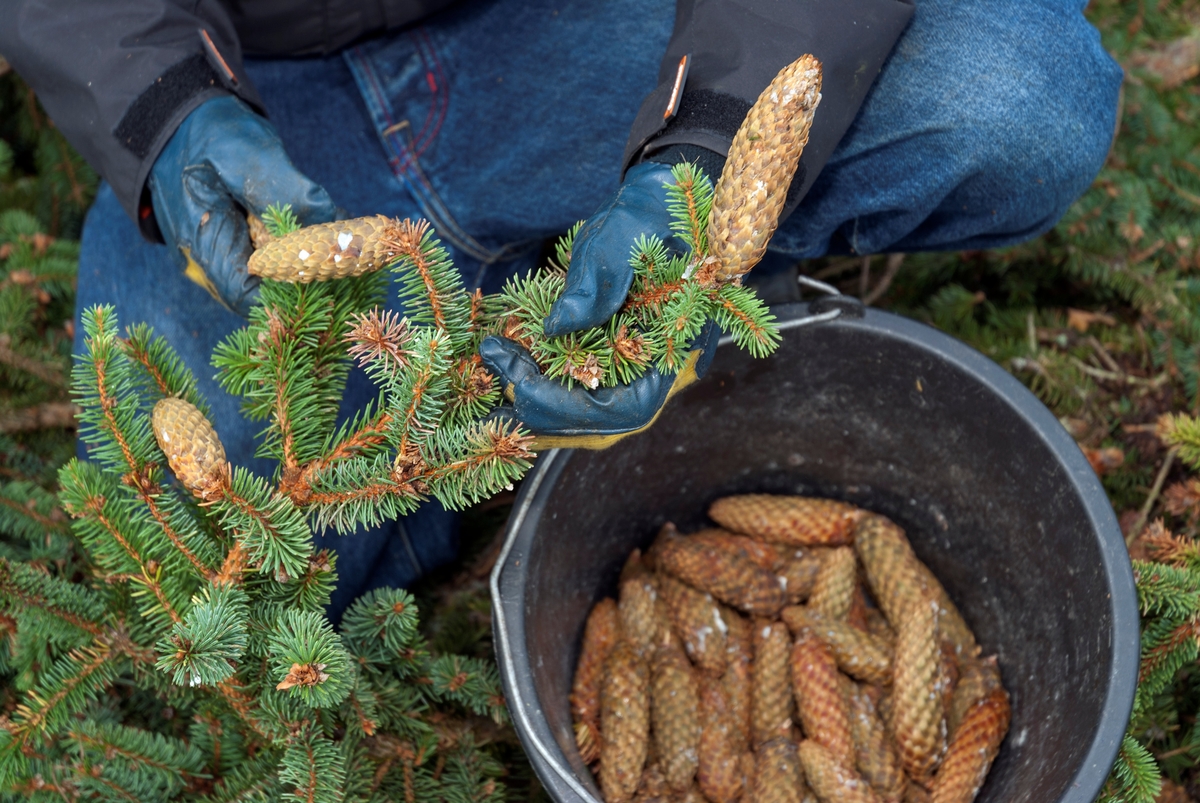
[
  {"x": 50, "y": 374},
  {"x": 51, "y": 415}
]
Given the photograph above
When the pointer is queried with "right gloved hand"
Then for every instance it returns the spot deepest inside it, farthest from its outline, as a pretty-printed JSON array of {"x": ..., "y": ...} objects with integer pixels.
[{"x": 222, "y": 162}]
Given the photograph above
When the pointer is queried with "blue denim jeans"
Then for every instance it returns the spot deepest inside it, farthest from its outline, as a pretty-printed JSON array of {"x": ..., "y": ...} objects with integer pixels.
[{"x": 503, "y": 122}]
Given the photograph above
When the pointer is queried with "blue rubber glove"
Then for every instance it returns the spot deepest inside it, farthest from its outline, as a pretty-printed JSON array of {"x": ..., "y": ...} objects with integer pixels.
[
  {"x": 222, "y": 162},
  {"x": 600, "y": 275},
  {"x": 587, "y": 419},
  {"x": 598, "y": 282}
]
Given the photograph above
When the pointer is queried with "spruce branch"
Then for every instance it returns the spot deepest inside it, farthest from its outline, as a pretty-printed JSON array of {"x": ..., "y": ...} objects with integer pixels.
[
  {"x": 314, "y": 768},
  {"x": 205, "y": 647},
  {"x": 308, "y": 660}
]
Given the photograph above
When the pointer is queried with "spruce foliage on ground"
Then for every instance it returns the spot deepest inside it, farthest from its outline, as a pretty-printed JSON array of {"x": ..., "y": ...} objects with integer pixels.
[{"x": 1099, "y": 317}]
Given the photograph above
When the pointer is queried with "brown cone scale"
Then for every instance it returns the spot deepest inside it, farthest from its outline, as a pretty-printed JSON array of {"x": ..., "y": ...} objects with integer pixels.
[
  {"x": 973, "y": 749},
  {"x": 834, "y": 781},
  {"x": 890, "y": 567},
  {"x": 898, "y": 578},
  {"x": 858, "y": 654},
  {"x": 819, "y": 698},
  {"x": 771, "y": 690},
  {"x": 696, "y": 619},
  {"x": 720, "y": 772},
  {"x": 763, "y": 157},
  {"x": 836, "y": 584},
  {"x": 760, "y": 553},
  {"x": 624, "y": 723},
  {"x": 327, "y": 251},
  {"x": 791, "y": 520},
  {"x": 726, "y": 575},
  {"x": 600, "y": 635},
  {"x": 638, "y": 604},
  {"x": 193, "y": 450},
  {"x": 874, "y": 755},
  {"x": 977, "y": 679},
  {"x": 738, "y": 679},
  {"x": 778, "y": 777},
  {"x": 917, "y": 716},
  {"x": 675, "y": 714},
  {"x": 800, "y": 572}
]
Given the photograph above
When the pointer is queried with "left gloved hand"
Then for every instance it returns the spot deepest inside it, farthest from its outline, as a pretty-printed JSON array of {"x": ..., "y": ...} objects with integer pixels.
[{"x": 598, "y": 282}]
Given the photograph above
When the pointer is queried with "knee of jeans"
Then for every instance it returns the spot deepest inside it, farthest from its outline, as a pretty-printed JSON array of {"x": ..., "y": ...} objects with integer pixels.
[{"x": 1027, "y": 145}]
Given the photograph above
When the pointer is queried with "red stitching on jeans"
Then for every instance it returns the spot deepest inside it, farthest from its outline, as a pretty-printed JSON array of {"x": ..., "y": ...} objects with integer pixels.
[{"x": 441, "y": 99}]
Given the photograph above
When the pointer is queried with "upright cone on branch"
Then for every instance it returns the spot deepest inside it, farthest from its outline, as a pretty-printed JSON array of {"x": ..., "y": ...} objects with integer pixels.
[
  {"x": 762, "y": 160},
  {"x": 193, "y": 450},
  {"x": 327, "y": 251}
]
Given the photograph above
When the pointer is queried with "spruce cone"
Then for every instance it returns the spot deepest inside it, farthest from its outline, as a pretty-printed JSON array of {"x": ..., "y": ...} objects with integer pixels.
[
  {"x": 762, "y": 160},
  {"x": 898, "y": 578},
  {"x": 738, "y": 677},
  {"x": 799, "y": 573},
  {"x": 193, "y": 450},
  {"x": 948, "y": 672},
  {"x": 624, "y": 723},
  {"x": 761, "y": 554},
  {"x": 792, "y": 520},
  {"x": 653, "y": 788},
  {"x": 697, "y": 621},
  {"x": 974, "y": 748},
  {"x": 600, "y": 635},
  {"x": 873, "y": 749},
  {"x": 915, "y": 793},
  {"x": 730, "y": 578},
  {"x": 819, "y": 698},
  {"x": 858, "y": 654},
  {"x": 833, "y": 780},
  {"x": 778, "y": 777},
  {"x": 638, "y": 604},
  {"x": 877, "y": 626},
  {"x": 330, "y": 250},
  {"x": 771, "y": 692},
  {"x": 917, "y": 716},
  {"x": 720, "y": 771},
  {"x": 836, "y": 584},
  {"x": 977, "y": 680},
  {"x": 950, "y": 622},
  {"x": 890, "y": 566},
  {"x": 675, "y": 714}
]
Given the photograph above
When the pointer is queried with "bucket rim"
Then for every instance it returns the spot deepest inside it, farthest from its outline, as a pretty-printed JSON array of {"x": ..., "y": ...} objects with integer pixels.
[{"x": 508, "y": 619}]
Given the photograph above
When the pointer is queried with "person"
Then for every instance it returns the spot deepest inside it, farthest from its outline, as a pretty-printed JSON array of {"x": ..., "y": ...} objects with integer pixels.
[{"x": 944, "y": 124}]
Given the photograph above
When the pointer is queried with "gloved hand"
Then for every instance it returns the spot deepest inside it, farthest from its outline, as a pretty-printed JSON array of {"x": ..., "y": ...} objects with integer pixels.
[
  {"x": 223, "y": 161},
  {"x": 587, "y": 419},
  {"x": 598, "y": 281}
]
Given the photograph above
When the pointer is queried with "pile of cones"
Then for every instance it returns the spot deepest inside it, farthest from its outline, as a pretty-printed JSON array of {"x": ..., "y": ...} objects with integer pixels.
[{"x": 799, "y": 652}]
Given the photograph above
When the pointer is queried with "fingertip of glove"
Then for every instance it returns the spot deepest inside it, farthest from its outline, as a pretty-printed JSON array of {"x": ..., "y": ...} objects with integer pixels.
[{"x": 505, "y": 358}]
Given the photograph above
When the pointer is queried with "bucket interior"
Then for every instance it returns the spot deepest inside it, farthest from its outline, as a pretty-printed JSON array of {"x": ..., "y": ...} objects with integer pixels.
[{"x": 898, "y": 419}]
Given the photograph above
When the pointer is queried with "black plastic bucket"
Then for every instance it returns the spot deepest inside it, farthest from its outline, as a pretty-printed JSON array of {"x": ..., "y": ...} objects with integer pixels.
[{"x": 896, "y": 417}]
